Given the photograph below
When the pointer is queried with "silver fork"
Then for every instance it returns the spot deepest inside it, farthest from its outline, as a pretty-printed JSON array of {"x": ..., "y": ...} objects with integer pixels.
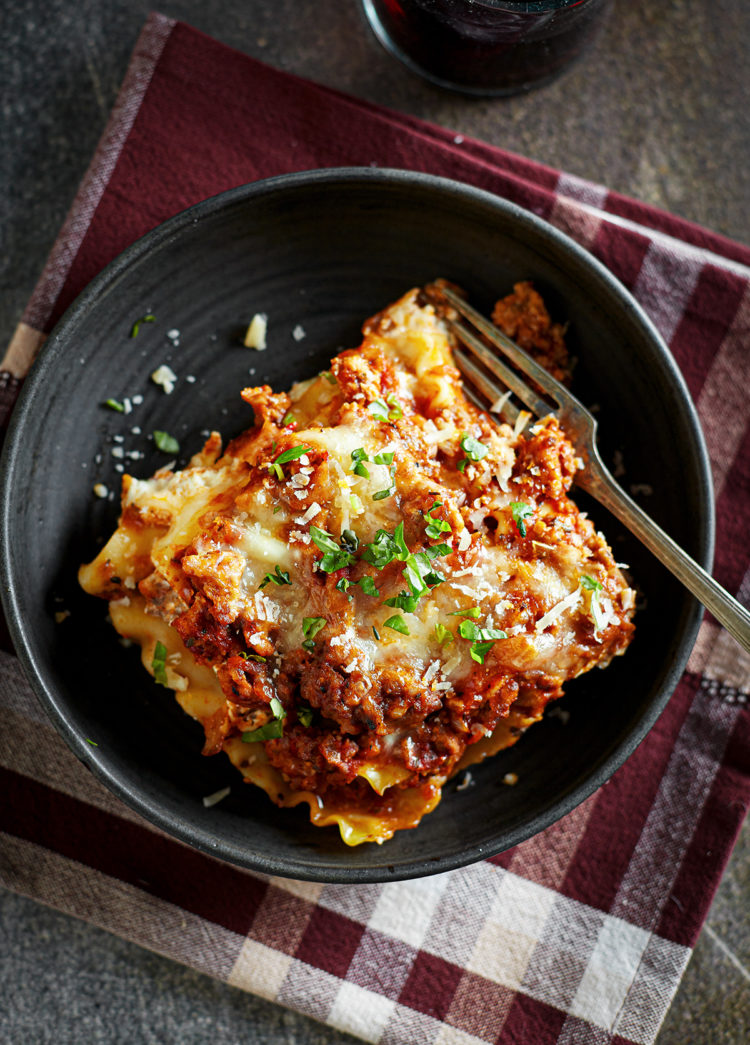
[{"x": 580, "y": 427}]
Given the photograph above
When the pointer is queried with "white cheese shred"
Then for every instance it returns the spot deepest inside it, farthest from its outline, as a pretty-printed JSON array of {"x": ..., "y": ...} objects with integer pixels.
[
  {"x": 165, "y": 377},
  {"x": 255, "y": 335},
  {"x": 217, "y": 796},
  {"x": 557, "y": 610},
  {"x": 521, "y": 421}
]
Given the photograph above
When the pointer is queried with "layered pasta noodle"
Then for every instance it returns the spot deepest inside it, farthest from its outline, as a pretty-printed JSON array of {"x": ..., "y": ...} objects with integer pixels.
[{"x": 372, "y": 586}]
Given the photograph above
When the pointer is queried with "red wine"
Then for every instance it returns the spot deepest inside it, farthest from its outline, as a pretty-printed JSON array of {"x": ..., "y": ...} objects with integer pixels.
[{"x": 486, "y": 46}]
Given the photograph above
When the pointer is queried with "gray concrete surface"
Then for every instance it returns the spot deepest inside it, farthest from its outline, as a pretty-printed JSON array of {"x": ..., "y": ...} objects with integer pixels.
[{"x": 658, "y": 110}]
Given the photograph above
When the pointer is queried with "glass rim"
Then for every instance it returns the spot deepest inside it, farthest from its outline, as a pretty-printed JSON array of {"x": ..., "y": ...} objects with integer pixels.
[{"x": 528, "y": 6}]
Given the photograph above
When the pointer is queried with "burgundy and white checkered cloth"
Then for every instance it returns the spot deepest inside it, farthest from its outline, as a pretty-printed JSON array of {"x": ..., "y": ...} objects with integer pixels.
[{"x": 579, "y": 935}]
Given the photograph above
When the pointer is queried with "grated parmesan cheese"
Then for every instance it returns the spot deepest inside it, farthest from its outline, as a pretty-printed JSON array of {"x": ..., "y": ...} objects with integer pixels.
[
  {"x": 217, "y": 796},
  {"x": 432, "y": 670},
  {"x": 165, "y": 377},
  {"x": 521, "y": 421},
  {"x": 310, "y": 514},
  {"x": 498, "y": 405},
  {"x": 255, "y": 335},
  {"x": 557, "y": 610},
  {"x": 470, "y": 571}
]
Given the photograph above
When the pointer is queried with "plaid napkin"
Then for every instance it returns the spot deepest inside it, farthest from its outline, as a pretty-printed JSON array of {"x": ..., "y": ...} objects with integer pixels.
[{"x": 579, "y": 935}]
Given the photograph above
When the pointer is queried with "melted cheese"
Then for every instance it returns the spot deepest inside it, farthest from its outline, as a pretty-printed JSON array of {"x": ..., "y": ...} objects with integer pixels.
[{"x": 236, "y": 539}]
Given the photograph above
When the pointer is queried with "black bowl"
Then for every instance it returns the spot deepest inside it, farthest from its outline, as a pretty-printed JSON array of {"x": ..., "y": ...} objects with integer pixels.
[{"x": 323, "y": 250}]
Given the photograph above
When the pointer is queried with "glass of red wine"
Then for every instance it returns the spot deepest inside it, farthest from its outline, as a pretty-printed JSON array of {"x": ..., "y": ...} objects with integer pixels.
[{"x": 486, "y": 47}]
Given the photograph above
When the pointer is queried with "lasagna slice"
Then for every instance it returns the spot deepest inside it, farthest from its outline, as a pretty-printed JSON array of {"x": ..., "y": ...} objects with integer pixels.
[{"x": 373, "y": 585}]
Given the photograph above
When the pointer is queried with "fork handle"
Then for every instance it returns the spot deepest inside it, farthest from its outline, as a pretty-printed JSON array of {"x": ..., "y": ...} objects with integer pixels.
[{"x": 597, "y": 481}]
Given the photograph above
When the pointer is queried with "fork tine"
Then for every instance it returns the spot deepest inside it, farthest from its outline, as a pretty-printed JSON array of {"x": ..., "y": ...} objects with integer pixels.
[
  {"x": 592, "y": 475},
  {"x": 512, "y": 351},
  {"x": 510, "y": 378},
  {"x": 485, "y": 385}
]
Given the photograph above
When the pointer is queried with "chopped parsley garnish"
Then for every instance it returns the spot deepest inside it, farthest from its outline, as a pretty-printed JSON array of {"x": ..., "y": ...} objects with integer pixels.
[
  {"x": 419, "y": 573},
  {"x": 279, "y": 577},
  {"x": 287, "y": 419},
  {"x": 474, "y": 613},
  {"x": 284, "y": 458},
  {"x": 305, "y": 715},
  {"x": 272, "y": 730},
  {"x": 323, "y": 539},
  {"x": 590, "y": 583},
  {"x": 349, "y": 541},
  {"x": 159, "y": 664},
  {"x": 435, "y": 527},
  {"x": 390, "y": 410},
  {"x": 376, "y": 633},
  {"x": 467, "y": 629},
  {"x": 92, "y": 742},
  {"x": 328, "y": 375},
  {"x": 404, "y": 601},
  {"x": 113, "y": 404},
  {"x": 442, "y": 634},
  {"x": 386, "y": 547},
  {"x": 359, "y": 456},
  {"x": 418, "y": 570},
  {"x": 473, "y": 449},
  {"x": 367, "y": 584},
  {"x": 395, "y": 413},
  {"x": 521, "y": 512},
  {"x": 396, "y": 623},
  {"x": 312, "y": 625},
  {"x": 252, "y": 656},
  {"x": 333, "y": 561},
  {"x": 148, "y": 318},
  {"x": 482, "y": 639},
  {"x": 166, "y": 442},
  {"x": 479, "y": 650},
  {"x": 334, "y": 557},
  {"x": 380, "y": 495}
]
